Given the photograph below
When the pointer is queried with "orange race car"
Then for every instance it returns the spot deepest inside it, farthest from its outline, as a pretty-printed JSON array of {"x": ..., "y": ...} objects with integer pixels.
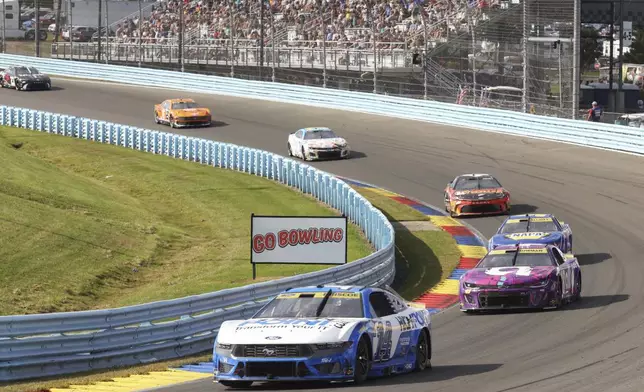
[
  {"x": 183, "y": 112},
  {"x": 476, "y": 194}
]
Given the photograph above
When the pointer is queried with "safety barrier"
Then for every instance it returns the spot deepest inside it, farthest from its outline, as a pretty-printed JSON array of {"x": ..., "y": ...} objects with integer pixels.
[
  {"x": 600, "y": 135},
  {"x": 43, "y": 345}
]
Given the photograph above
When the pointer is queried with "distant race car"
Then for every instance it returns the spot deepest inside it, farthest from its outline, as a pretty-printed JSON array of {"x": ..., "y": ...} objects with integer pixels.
[
  {"x": 476, "y": 194},
  {"x": 327, "y": 333},
  {"x": 317, "y": 143},
  {"x": 533, "y": 228},
  {"x": 24, "y": 78},
  {"x": 183, "y": 112},
  {"x": 521, "y": 276}
]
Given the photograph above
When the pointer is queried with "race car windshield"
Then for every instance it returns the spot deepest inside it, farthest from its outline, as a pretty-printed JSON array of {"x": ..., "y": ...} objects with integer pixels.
[
  {"x": 22, "y": 71},
  {"x": 522, "y": 259},
  {"x": 185, "y": 105},
  {"x": 523, "y": 227},
  {"x": 326, "y": 134},
  {"x": 470, "y": 183},
  {"x": 305, "y": 305}
]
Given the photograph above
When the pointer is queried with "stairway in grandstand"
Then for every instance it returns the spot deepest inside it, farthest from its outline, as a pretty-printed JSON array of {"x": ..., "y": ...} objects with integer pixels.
[{"x": 443, "y": 79}]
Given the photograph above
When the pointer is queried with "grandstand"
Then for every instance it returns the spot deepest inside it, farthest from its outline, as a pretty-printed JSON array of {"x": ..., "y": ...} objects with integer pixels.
[{"x": 447, "y": 50}]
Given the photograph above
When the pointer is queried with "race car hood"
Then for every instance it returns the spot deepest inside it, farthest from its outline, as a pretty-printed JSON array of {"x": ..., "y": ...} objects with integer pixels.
[
  {"x": 190, "y": 112},
  {"x": 286, "y": 331},
  {"x": 506, "y": 276},
  {"x": 31, "y": 77},
  {"x": 326, "y": 143},
  {"x": 529, "y": 237}
]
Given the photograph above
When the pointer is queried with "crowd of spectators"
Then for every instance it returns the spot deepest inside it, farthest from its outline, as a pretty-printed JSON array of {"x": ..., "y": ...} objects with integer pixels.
[{"x": 349, "y": 23}]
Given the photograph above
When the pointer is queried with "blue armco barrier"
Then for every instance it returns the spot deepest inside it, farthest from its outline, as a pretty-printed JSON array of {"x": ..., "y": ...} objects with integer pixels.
[
  {"x": 609, "y": 136},
  {"x": 43, "y": 345}
]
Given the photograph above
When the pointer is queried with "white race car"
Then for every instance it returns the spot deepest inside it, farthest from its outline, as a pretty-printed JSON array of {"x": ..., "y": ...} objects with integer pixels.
[{"x": 317, "y": 143}]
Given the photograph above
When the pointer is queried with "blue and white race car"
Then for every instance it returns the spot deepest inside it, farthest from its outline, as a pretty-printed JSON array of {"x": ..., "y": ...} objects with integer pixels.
[
  {"x": 324, "y": 333},
  {"x": 533, "y": 229}
]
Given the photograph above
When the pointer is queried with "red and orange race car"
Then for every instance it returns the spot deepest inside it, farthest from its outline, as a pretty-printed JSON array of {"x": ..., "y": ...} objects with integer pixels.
[
  {"x": 476, "y": 194},
  {"x": 182, "y": 112}
]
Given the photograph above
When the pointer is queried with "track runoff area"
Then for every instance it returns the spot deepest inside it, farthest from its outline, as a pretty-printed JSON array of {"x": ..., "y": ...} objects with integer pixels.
[{"x": 593, "y": 191}]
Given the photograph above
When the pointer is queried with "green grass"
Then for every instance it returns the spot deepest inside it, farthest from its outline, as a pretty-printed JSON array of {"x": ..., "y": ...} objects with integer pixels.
[
  {"x": 395, "y": 211},
  {"x": 85, "y": 225},
  {"x": 423, "y": 258},
  {"x": 106, "y": 375}
]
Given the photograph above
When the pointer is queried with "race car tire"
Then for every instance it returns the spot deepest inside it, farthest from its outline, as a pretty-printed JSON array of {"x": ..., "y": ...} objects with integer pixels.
[
  {"x": 362, "y": 362},
  {"x": 236, "y": 384},
  {"x": 559, "y": 292},
  {"x": 156, "y": 118},
  {"x": 173, "y": 124},
  {"x": 304, "y": 155},
  {"x": 423, "y": 352},
  {"x": 290, "y": 152},
  {"x": 577, "y": 296}
]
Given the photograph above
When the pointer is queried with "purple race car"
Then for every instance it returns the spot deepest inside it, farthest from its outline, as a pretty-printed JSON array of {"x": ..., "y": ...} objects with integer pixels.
[{"x": 521, "y": 276}]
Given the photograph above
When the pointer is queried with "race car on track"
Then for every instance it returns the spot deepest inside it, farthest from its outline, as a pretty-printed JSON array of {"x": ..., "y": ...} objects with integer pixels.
[
  {"x": 24, "y": 78},
  {"x": 324, "y": 333},
  {"x": 521, "y": 276},
  {"x": 182, "y": 112},
  {"x": 476, "y": 194},
  {"x": 533, "y": 228},
  {"x": 317, "y": 143}
]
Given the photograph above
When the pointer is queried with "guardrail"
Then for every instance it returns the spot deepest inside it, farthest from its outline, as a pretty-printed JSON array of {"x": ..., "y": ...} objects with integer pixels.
[
  {"x": 591, "y": 134},
  {"x": 41, "y": 345}
]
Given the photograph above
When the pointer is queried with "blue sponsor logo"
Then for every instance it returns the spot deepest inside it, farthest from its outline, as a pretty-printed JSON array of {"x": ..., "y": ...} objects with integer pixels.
[{"x": 312, "y": 323}]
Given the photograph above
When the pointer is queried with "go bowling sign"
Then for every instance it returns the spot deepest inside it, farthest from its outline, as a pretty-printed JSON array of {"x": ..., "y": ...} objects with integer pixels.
[{"x": 298, "y": 239}]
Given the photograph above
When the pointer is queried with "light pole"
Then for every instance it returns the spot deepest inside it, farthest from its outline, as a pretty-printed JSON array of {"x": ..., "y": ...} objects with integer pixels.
[
  {"x": 140, "y": 33},
  {"x": 272, "y": 45},
  {"x": 321, "y": 8},
  {"x": 232, "y": 38},
  {"x": 375, "y": 54}
]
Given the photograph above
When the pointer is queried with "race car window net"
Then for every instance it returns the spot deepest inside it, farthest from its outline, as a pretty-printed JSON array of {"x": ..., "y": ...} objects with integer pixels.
[
  {"x": 513, "y": 258},
  {"x": 185, "y": 105},
  {"x": 312, "y": 305},
  {"x": 313, "y": 135},
  {"x": 470, "y": 183}
]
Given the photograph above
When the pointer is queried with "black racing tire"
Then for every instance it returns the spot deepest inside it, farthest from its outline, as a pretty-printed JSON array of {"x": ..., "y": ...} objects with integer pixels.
[
  {"x": 561, "y": 301},
  {"x": 578, "y": 288},
  {"x": 304, "y": 155},
  {"x": 236, "y": 384},
  {"x": 290, "y": 152},
  {"x": 423, "y": 352},
  {"x": 173, "y": 124},
  {"x": 156, "y": 118},
  {"x": 362, "y": 362},
  {"x": 18, "y": 86}
]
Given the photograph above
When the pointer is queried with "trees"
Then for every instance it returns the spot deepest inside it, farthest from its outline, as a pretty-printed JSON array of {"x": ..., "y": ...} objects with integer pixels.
[
  {"x": 590, "y": 49},
  {"x": 636, "y": 54}
]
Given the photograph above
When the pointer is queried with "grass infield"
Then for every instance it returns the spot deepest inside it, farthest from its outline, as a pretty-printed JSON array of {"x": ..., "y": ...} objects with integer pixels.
[{"x": 85, "y": 225}]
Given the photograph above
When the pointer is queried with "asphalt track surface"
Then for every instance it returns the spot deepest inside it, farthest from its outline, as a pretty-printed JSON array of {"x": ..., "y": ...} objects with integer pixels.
[{"x": 594, "y": 345}]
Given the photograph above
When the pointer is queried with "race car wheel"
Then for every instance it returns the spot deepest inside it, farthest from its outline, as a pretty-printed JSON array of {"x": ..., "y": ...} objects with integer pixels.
[
  {"x": 423, "y": 352},
  {"x": 559, "y": 294},
  {"x": 577, "y": 296},
  {"x": 290, "y": 152},
  {"x": 363, "y": 362},
  {"x": 18, "y": 86},
  {"x": 173, "y": 124},
  {"x": 236, "y": 384},
  {"x": 156, "y": 118}
]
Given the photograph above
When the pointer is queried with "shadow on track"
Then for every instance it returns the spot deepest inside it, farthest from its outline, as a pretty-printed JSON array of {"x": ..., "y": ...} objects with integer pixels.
[
  {"x": 593, "y": 258},
  {"x": 438, "y": 373},
  {"x": 357, "y": 155},
  {"x": 587, "y": 302},
  {"x": 218, "y": 124},
  {"x": 520, "y": 209}
]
